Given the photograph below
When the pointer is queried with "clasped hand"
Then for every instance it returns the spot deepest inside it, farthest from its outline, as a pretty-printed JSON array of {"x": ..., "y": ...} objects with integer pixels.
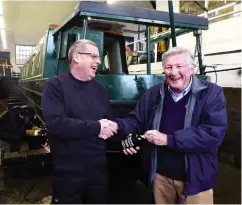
[{"x": 108, "y": 128}]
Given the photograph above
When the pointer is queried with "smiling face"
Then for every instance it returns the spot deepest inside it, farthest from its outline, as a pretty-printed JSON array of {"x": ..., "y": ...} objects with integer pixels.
[
  {"x": 178, "y": 71},
  {"x": 86, "y": 62}
]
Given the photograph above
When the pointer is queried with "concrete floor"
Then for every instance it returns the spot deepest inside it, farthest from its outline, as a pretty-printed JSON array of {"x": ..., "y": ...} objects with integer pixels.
[{"x": 32, "y": 191}]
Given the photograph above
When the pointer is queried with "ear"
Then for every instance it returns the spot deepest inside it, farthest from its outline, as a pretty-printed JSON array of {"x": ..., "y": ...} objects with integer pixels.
[
  {"x": 193, "y": 69},
  {"x": 76, "y": 58}
]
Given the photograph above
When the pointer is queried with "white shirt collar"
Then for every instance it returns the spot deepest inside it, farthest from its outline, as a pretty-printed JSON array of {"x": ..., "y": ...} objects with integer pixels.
[{"x": 176, "y": 97}]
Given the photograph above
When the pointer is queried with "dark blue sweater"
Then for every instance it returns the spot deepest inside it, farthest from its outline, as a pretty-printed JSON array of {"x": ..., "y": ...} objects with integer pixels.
[
  {"x": 171, "y": 163},
  {"x": 71, "y": 110}
]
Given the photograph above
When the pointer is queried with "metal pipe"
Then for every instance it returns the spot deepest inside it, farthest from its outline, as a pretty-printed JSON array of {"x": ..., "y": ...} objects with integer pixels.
[
  {"x": 223, "y": 52},
  {"x": 139, "y": 44},
  {"x": 223, "y": 15},
  {"x": 197, "y": 34},
  {"x": 217, "y": 71},
  {"x": 160, "y": 36},
  {"x": 84, "y": 28},
  {"x": 201, "y": 6},
  {"x": 144, "y": 39},
  {"x": 199, "y": 53},
  {"x": 156, "y": 45},
  {"x": 171, "y": 14},
  {"x": 148, "y": 48}
]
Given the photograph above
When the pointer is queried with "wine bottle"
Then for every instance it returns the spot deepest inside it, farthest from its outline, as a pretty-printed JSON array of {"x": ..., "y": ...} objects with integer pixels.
[{"x": 133, "y": 140}]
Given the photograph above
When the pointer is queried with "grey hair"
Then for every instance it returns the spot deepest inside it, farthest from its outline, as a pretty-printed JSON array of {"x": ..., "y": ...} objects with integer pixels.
[
  {"x": 179, "y": 50},
  {"x": 79, "y": 45}
]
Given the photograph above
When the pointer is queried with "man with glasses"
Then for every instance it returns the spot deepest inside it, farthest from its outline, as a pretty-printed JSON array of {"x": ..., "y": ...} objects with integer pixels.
[
  {"x": 184, "y": 120},
  {"x": 75, "y": 108}
]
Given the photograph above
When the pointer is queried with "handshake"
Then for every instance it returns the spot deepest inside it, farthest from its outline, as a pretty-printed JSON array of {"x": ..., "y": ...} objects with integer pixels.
[{"x": 108, "y": 128}]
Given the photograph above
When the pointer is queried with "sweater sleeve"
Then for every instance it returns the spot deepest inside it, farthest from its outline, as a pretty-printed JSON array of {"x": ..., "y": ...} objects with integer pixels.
[
  {"x": 134, "y": 123},
  {"x": 138, "y": 121},
  {"x": 208, "y": 134},
  {"x": 57, "y": 121}
]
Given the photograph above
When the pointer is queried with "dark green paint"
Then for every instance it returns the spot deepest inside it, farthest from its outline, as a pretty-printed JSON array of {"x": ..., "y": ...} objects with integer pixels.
[
  {"x": 148, "y": 49},
  {"x": 171, "y": 15},
  {"x": 49, "y": 56}
]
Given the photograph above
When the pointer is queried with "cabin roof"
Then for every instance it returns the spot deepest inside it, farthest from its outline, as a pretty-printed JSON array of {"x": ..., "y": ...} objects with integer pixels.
[{"x": 145, "y": 16}]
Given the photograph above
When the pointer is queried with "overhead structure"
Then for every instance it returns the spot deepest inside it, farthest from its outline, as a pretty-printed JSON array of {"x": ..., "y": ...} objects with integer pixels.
[{"x": 141, "y": 16}]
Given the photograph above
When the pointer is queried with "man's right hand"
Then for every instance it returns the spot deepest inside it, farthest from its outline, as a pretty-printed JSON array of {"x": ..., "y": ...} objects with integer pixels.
[
  {"x": 131, "y": 151},
  {"x": 108, "y": 128}
]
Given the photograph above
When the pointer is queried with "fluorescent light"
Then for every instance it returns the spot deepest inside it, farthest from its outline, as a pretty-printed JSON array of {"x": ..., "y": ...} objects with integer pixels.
[
  {"x": 4, "y": 41},
  {"x": 110, "y": 1}
]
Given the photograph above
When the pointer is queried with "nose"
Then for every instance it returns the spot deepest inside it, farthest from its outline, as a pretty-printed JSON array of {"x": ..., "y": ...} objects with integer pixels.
[
  {"x": 98, "y": 60},
  {"x": 174, "y": 70}
]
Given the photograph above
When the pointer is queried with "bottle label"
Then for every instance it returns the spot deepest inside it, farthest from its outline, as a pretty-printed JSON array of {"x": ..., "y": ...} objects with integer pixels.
[{"x": 128, "y": 142}]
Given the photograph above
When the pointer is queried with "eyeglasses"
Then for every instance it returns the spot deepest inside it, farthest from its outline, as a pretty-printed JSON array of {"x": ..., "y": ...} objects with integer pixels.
[{"x": 93, "y": 55}]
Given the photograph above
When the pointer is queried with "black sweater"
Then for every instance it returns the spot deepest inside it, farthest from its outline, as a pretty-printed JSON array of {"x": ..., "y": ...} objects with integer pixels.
[{"x": 71, "y": 110}]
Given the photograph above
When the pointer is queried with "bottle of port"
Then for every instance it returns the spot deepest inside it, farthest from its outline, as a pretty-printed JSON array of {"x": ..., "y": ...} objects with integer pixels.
[{"x": 133, "y": 140}]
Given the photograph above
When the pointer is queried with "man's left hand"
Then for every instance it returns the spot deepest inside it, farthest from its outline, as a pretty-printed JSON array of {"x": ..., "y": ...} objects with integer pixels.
[{"x": 156, "y": 137}]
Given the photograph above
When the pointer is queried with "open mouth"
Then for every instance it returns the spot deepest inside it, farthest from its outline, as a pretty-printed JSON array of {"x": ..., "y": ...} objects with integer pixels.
[{"x": 175, "y": 79}]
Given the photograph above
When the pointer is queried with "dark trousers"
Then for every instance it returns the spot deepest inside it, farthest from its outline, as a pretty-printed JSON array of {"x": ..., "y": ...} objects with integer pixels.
[{"x": 89, "y": 187}]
